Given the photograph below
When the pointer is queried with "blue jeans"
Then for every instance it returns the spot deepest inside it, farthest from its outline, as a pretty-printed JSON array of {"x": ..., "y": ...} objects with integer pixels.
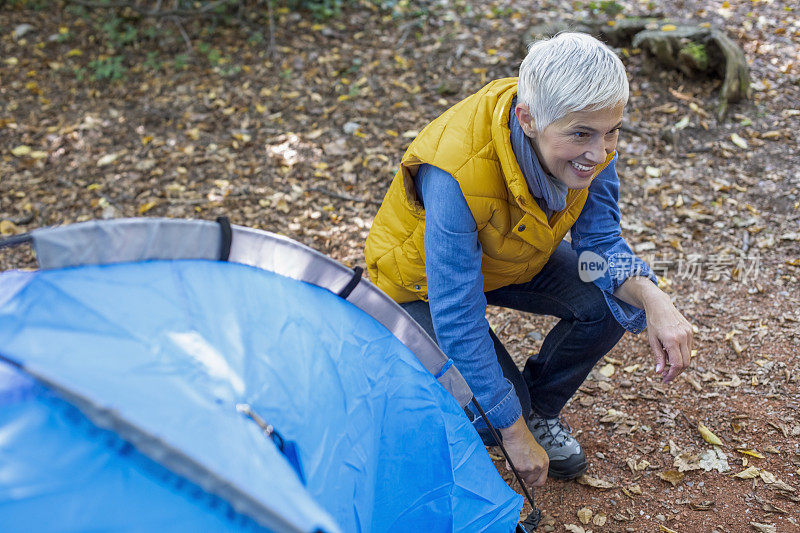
[{"x": 586, "y": 332}]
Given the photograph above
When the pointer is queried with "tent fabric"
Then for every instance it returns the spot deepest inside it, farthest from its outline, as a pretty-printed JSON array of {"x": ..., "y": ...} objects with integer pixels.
[
  {"x": 162, "y": 351},
  {"x": 59, "y": 472},
  {"x": 129, "y": 240}
]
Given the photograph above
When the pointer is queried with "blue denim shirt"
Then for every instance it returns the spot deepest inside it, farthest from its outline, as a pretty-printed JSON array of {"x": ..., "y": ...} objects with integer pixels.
[{"x": 455, "y": 281}]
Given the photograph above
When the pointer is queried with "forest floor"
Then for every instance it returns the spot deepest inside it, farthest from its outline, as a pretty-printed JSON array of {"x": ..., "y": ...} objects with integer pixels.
[{"x": 303, "y": 138}]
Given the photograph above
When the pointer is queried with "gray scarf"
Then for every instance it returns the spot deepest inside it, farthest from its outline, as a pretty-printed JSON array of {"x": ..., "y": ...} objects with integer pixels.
[{"x": 549, "y": 192}]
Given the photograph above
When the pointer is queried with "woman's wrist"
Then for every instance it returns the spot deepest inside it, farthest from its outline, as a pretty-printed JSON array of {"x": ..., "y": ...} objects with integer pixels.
[
  {"x": 653, "y": 296},
  {"x": 515, "y": 430},
  {"x": 640, "y": 292}
]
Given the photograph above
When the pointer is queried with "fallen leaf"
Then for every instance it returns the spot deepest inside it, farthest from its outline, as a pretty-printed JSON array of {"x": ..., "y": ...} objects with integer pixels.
[
  {"x": 599, "y": 519},
  {"x": 682, "y": 123},
  {"x": 108, "y": 159},
  {"x": 21, "y": 151},
  {"x": 9, "y": 228},
  {"x": 665, "y": 529},
  {"x": 707, "y": 435},
  {"x": 584, "y": 515},
  {"x": 632, "y": 490},
  {"x": 572, "y": 528},
  {"x": 770, "y": 508},
  {"x": 702, "y": 506},
  {"x": 714, "y": 459},
  {"x": 780, "y": 486},
  {"x": 738, "y": 141},
  {"x": 767, "y": 477},
  {"x": 748, "y": 473},
  {"x": 653, "y": 172},
  {"x": 672, "y": 476},
  {"x": 607, "y": 370},
  {"x": 595, "y": 482},
  {"x": 764, "y": 528},
  {"x": 687, "y": 461},
  {"x": 144, "y": 208},
  {"x": 752, "y": 453}
]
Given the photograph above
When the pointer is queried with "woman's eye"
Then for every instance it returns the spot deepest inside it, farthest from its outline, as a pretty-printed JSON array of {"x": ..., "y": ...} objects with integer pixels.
[{"x": 581, "y": 135}]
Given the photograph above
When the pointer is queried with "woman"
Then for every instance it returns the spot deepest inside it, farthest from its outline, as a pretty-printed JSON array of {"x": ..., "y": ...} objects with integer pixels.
[{"x": 477, "y": 214}]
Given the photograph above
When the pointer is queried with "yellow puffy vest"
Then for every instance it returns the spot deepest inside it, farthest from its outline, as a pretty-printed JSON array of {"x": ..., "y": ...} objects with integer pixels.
[{"x": 472, "y": 142}]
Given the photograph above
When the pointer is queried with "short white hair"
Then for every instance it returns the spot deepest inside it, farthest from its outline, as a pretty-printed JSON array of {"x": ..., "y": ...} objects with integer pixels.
[{"x": 567, "y": 73}]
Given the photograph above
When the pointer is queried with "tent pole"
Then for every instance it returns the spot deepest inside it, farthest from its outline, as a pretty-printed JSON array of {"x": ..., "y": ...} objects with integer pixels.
[
  {"x": 532, "y": 521},
  {"x": 16, "y": 240}
]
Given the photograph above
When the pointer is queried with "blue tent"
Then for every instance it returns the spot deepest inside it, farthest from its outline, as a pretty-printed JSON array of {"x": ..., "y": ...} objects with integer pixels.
[{"x": 169, "y": 375}]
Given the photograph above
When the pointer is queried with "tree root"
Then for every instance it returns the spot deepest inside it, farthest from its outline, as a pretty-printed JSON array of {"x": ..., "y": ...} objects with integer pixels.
[{"x": 693, "y": 50}]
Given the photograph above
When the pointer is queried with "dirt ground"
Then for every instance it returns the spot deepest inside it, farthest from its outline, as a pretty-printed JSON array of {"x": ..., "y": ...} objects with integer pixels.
[{"x": 303, "y": 138}]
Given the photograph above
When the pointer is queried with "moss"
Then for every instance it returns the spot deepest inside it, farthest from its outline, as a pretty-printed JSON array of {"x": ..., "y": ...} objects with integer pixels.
[{"x": 696, "y": 54}]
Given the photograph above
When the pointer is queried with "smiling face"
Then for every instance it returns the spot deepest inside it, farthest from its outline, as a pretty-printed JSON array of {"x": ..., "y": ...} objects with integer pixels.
[{"x": 570, "y": 149}]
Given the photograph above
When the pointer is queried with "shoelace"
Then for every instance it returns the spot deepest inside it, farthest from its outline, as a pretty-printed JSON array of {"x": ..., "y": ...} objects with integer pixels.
[{"x": 563, "y": 429}]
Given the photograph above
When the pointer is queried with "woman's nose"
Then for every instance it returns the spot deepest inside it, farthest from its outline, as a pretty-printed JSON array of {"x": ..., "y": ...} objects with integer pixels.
[{"x": 597, "y": 152}]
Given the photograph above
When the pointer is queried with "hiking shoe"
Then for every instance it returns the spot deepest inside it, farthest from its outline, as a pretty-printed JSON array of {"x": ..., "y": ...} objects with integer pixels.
[{"x": 567, "y": 460}]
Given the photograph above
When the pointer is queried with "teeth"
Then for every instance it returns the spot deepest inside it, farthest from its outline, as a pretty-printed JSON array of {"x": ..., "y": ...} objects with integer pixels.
[{"x": 581, "y": 167}]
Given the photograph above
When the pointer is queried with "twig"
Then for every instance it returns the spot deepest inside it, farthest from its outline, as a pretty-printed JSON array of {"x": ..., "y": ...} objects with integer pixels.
[
  {"x": 185, "y": 36},
  {"x": 271, "y": 16},
  {"x": 343, "y": 196},
  {"x": 636, "y": 131},
  {"x": 201, "y": 12},
  {"x": 23, "y": 220},
  {"x": 691, "y": 424}
]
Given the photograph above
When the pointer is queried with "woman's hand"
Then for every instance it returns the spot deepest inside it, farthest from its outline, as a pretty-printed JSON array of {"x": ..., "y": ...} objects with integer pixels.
[
  {"x": 670, "y": 336},
  {"x": 529, "y": 458},
  {"x": 669, "y": 333}
]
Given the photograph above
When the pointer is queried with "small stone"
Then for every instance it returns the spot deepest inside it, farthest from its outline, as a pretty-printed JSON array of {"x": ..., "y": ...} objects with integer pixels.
[
  {"x": 351, "y": 127},
  {"x": 549, "y": 528},
  {"x": 626, "y": 383},
  {"x": 534, "y": 336},
  {"x": 21, "y": 30},
  {"x": 661, "y": 517}
]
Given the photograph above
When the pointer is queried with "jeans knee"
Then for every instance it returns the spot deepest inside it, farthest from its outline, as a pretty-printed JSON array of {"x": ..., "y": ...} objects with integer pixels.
[{"x": 593, "y": 307}]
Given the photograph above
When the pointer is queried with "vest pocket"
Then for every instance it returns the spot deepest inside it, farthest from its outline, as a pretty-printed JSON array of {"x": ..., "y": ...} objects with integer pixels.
[{"x": 532, "y": 231}]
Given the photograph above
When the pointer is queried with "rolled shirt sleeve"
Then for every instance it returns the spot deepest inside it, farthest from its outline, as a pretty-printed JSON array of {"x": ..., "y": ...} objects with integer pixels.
[
  {"x": 455, "y": 294},
  {"x": 597, "y": 230}
]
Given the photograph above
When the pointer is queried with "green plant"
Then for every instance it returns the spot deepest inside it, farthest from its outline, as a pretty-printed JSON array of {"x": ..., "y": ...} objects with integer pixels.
[
  {"x": 108, "y": 68},
  {"x": 180, "y": 61},
  {"x": 118, "y": 33},
  {"x": 607, "y": 7},
  {"x": 152, "y": 62},
  {"x": 321, "y": 9},
  {"x": 229, "y": 71},
  {"x": 255, "y": 38},
  {"x": 80, "y": 73},
  {"x": 214, "y": 57},
  {"x": 36, "y": 5}
]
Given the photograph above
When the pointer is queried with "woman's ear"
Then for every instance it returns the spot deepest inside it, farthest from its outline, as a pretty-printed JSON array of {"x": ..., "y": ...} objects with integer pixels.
[{"x": 525, "y": 120}]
